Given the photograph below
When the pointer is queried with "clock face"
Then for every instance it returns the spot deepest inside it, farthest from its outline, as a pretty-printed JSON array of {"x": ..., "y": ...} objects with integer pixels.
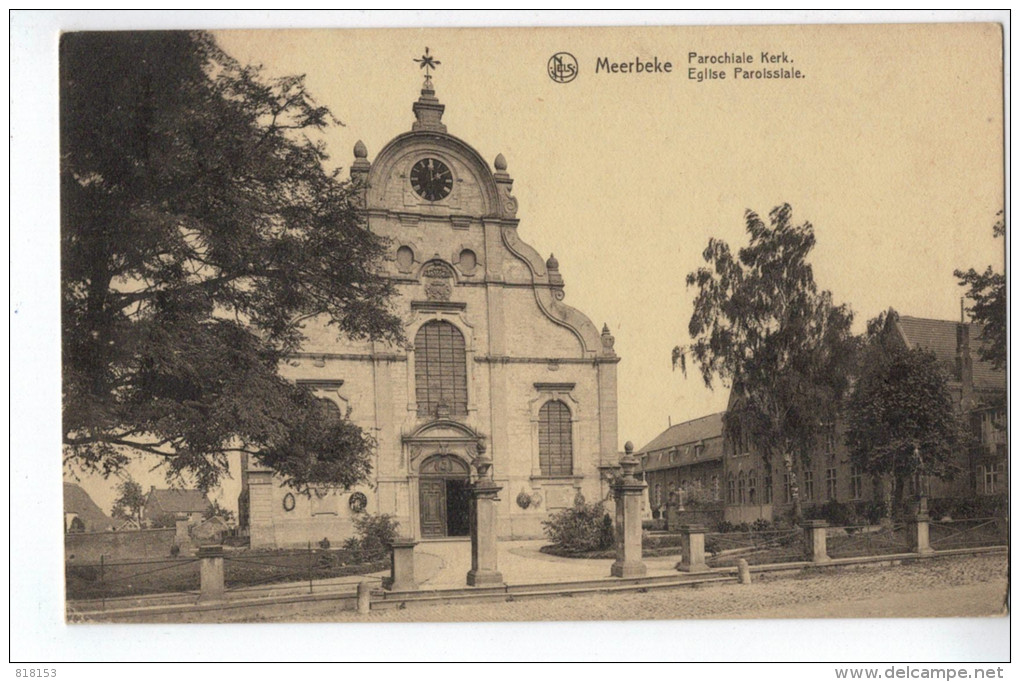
[{"x": 431, "y": 179}]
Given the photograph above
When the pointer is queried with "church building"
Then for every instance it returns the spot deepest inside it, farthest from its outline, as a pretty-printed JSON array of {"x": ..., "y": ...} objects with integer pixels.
[{"x": 496, "y": 362}]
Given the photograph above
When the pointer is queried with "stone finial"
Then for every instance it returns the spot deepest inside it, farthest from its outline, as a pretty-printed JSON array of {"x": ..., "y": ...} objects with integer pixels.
[
  {"x": 500, "y": 163},
  {"x": 608, "y": 340},
  {"x": 628, "y": 463},
  {"x": 552, "y": 263},
  {"x": 361, "y": 166},
  {"x": 482, "y": 463}
]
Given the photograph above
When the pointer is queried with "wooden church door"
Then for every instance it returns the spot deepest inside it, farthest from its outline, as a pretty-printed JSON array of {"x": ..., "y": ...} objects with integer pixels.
[{"x": 433, "y": 507}]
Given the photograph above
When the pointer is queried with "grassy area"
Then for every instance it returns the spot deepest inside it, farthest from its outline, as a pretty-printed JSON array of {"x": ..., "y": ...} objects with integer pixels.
[{"x": 241, "y": 569}]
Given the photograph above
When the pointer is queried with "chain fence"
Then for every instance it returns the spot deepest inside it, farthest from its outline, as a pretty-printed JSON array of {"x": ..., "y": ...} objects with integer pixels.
[
  {"x": 968, "y": 533},
  {"x": 754, "y": 546},
  {"x": 92, "y": 585}
]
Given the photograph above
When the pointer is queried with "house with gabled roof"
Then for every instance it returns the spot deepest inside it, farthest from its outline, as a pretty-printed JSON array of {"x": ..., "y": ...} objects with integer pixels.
[
  {"x": 81, "y": 513},
  {"x": 176, "y": 502}
]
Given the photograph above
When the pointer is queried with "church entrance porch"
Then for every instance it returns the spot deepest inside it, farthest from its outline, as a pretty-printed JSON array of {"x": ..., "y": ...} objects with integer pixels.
[{"x": 444, "y": 497}]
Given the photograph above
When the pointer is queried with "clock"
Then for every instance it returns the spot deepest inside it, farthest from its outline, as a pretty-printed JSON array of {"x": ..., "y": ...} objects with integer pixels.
[{"x": 431, "y": 179}]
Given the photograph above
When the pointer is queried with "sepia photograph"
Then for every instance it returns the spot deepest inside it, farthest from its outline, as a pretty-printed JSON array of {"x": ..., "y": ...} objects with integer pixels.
[{"x": 701, "y": 325}]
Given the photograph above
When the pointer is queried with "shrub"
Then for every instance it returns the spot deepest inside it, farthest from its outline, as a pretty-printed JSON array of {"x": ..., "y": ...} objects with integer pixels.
[
  {"x": 582, "y": 528},
  {"x": 836, "y": 513},
  {"x": 968, "y": 507},
  {"x": 760, "y": 525},
  {"x": 728, "y": 527},
  {"x": 375, "y": 534},
  {"x": 654, "y": 524}
]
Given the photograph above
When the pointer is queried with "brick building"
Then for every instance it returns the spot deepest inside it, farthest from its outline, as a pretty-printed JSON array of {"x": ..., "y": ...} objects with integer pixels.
[
  {"x": 495, "y": 359},
  {"x": 685, "y": 462},
  {"x": 699, "y": 450},
  {"x": 979, "y": 393}
]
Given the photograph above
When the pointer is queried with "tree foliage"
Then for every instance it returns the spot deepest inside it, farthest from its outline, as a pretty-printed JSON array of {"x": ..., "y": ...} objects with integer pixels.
[
  {"x": 215, "y": 509},
  {"x": 199, "y": 232},
  {"x": 761, "y": 326},
  {"x": 130, "y": 501},
  {"x": 987, "y": 292},
  {"x": 900, "y": 415}
]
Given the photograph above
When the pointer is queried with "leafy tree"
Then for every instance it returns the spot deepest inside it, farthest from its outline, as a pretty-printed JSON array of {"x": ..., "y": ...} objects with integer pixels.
[
  {"x": 987, "y": 291},
  {"x": 900, "y": 415},
  {"x": 130, "y": 501},
  {"x": 199, "y": 233},
  {"x": 761, "y": 326},
  {"x": 215, "y": 509}
]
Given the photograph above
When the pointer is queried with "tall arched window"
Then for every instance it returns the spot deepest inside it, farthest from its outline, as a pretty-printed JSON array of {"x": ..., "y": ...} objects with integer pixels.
[
  {"x": 555, "y": 442},
  {"x": 440, "y": 369}
]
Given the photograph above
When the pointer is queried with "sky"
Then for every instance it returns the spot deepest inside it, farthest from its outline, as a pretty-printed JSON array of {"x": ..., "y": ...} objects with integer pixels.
[{"x": 890, "y": 145}]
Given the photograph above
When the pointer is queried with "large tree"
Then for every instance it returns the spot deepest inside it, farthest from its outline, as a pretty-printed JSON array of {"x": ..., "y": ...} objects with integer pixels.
[
  {"x": 199, "y": 232},
  {"x": 130, "y": 501},
  {"x": 761, "y": 325},
  {"x": 901, "y": 421},
  {"x": 987, "y": 292}
]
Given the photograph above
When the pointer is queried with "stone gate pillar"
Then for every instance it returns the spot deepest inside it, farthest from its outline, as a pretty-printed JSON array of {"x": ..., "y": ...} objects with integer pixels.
[
  {"x": 814, "y": 540},
  {"x": 917, "y": 530},
  {"x": 627, "y": 492},
  {"x": 401, "y": 566},
  {"x": 692, "y": 545},
  {"x": 211, "y": 577},
  {"x": 483, "y": 525}
]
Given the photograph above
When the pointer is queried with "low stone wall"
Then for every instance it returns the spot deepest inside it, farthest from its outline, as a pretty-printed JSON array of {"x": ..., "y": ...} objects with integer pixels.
[{"x": 84, "y": 548}]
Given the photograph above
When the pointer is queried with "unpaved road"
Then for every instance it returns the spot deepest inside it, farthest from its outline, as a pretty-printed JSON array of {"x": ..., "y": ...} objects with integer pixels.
[{"x": 950, "y": 586}]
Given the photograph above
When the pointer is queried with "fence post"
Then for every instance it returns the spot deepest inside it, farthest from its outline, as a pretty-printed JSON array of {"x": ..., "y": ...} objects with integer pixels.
[
  {"x": 211, "y": 573},
  {"x": 814, "y": 539},
  {"x": 102, "y": 577},
  {"x": 401, "y": 565},
  {"x": 309, "y": 567},
  {"x": 692, "y": 544},
  {"x": 364, "y": 597},
  {"x": 918, "y": 532},
  {"x": 744, "y": 571}
]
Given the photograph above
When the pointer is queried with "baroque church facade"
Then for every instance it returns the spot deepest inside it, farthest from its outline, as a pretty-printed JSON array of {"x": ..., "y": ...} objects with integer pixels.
[{"x": 496, "y": 362}]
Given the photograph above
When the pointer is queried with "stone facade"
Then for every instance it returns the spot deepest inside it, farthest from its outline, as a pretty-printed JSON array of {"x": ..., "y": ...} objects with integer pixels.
[{"x": 522, "y": 373}]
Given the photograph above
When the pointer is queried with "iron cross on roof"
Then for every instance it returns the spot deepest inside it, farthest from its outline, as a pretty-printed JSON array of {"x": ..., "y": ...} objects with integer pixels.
[{"x": 427, "y": 62}]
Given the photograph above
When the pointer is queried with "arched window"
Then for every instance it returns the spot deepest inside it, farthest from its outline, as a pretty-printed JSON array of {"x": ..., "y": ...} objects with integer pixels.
[
  {"x": 440, "y": 370},
  {"x": 555, "y": 442},
  {"x": 742, "y": 488},
  {"x": 331, "y": 413}
]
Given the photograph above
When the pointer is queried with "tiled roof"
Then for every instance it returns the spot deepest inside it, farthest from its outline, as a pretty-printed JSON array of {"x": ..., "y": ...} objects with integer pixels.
[
  {"x": 676, "y": 446},
  {"x": 939, "y": 336},
  {"x": 173, "y": 500},
  {"x": 702, "y": 428},
  {"x": 77, "y": 501}
]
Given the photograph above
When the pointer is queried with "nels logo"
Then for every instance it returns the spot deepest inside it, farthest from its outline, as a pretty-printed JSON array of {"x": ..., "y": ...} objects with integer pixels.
[{"x": 562, "y": 67}]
